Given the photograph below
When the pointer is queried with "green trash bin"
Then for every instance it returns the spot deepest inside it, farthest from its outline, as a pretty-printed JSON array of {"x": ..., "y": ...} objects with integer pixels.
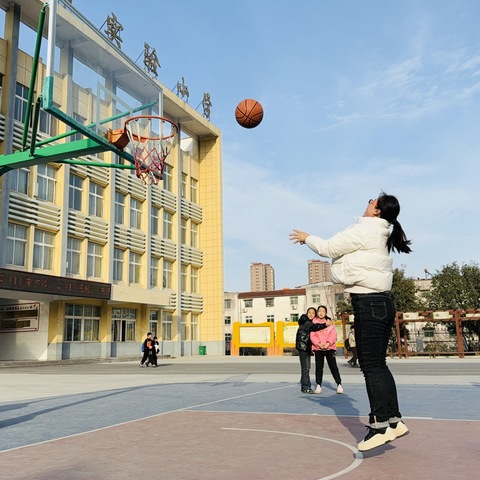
[{"x": 202, "y": 350}]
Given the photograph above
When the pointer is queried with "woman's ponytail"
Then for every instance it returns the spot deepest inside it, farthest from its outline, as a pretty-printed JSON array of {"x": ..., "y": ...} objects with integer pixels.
[
  {"x": 389, "y": 210},
  {"x": 397, "y": 240}
]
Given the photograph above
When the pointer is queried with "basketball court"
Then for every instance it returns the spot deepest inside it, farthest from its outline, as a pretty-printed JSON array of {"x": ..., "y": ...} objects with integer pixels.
[{"x": 231, "y": 418}]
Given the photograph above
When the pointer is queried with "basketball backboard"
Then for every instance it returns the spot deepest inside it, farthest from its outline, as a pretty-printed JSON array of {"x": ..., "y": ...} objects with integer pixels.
[
  {"x": 90, "y": 86},
  {"x": 104, "y": 82}
]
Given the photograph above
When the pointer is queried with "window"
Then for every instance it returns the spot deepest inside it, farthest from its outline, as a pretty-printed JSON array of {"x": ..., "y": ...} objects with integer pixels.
[
  {"x": 228, "y": 320},
  {"x": 167, "y": 274},
  {"x": 194, "y": 279},
  {"x": 21, "y": 100},
  {"x": 194, "y": 326},
  {"x": 248, "y": 319},
  {"x": 16, "y": 245},
  {"x": 183, "y": 231},
  {"x": 248, "y": 303},
  {"x": 167, "y": 178},
  {"x": 167, "y": 225},
  {"x": 135, "y": 267},
  {"x": 94, "y": 260},
  {"x": 166, "y": 325},
  {"x": 96, "y": 200},
  {"x": 73, "y": 256},
  {"x": 153, "y": 323},
  {"x": 135, "y": 213},
  {"x": 184, "y": 270},
  {"x": 184, "y": 185},
  {"x": 193, "y": 190},
  {"x": 227, "y": 303},
  {"x": 18, "y": 180},
  {"x": 43, "y": 250},
  {"x": 82, "y": 121},
  {"x": 119, "y": 208},
  {"x": 294, "y": 317},
  {"x": 293, "y": 301},
  {"x": 194, "y": 234},
  {"x": 82, "y": 323},
  {"x": 123, "y": 324},
  {"x": 269, "y": 302},
  {"x": 316, "y": 299},
  {"x": 118, "y": 264},
  {"x": 46, "y": 182},
  {"x": 154, "y": 271},
  {"x": 75, "y": 192},
  {"x": 184, "y": 321},
  {"x": 155, "y": 215},
  {"x": 271, "y": 318},
  {"x": 46, "y": 123}
]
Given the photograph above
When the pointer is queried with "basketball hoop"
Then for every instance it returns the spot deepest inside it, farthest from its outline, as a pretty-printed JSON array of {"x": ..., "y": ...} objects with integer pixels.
[{"x": 151, "y": 138}]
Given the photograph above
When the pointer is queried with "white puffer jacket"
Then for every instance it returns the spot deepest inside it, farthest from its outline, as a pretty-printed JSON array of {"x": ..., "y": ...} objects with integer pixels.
[{"x": 360, "y": 256}]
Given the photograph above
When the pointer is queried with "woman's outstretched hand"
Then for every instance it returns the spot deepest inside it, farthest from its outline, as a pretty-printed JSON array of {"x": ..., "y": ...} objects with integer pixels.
[{"x": 298, "y": 237}]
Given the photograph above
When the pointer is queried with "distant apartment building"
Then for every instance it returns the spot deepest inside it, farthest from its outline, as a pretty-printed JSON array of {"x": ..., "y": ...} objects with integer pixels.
[
  {"x": 262, "y": 277},
  {"x": 319, "y": 271}
]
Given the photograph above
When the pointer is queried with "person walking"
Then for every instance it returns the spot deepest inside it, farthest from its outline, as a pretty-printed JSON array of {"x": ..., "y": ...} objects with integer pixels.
[
  {"x": 152, "y": 358},
  {"x": 147, "y": 350},
  {"x": 304, "y": 346},
  {"x": 353, "y": 362},
  {"x": 324, "y": 347},
  {"x": 362, "y": 262}
]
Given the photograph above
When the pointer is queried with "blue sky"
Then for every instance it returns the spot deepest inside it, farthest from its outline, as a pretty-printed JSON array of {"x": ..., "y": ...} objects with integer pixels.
[{"x": 359, "y": 97}]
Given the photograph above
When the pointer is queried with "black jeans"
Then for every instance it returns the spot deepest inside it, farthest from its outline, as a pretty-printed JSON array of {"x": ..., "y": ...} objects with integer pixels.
[
  {"x": 320, "y": 356},
  {"x": 305, "y": 362},
  {"x": 374, "y": 319}
]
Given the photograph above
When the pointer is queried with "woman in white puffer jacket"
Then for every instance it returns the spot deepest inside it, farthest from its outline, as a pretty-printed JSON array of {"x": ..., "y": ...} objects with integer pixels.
[{"x": 361, "y": 261}]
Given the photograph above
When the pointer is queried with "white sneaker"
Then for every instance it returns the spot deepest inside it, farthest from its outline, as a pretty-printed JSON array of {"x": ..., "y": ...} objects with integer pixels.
[
  {"x": 400, "y": 429},
  {"x": 318, "y": 389},
  {"x": 376, "y": 437},
  {"x": 339, "y": 389}
]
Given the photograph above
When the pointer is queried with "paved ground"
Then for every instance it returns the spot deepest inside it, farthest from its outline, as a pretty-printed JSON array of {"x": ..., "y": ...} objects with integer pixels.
[{"x": 234, "y": 418}]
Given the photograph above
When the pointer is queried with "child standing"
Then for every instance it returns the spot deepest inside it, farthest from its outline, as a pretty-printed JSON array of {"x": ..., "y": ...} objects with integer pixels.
[
  {"x": 304, "y": 346},
  {"x": 324, "y": 346}
]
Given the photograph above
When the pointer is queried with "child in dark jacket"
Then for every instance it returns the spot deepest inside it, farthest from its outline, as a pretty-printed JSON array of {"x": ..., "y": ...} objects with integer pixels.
[{"x": 304, "y": 346}]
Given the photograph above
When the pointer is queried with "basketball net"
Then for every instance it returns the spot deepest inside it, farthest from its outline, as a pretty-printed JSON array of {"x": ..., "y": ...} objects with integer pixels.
[{"x": 150, "y": 147}]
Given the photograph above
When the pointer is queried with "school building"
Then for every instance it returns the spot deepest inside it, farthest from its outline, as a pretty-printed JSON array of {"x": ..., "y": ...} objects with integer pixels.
[{"x": 92, "y": 258}]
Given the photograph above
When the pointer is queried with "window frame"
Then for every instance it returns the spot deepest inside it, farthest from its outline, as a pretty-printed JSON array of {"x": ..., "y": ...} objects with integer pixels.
[
  {"x": 82, "y": 320},
  {"x": 46, "y": 182},
  {"x": 17, "y": 244},
  {"x": 96, "y": 199},
  {"x": 43, "y": 250},
  {"x": 73, "y": 255},
  {"x": 75, "y": 192},
  {"x": 94, "y": 260}
]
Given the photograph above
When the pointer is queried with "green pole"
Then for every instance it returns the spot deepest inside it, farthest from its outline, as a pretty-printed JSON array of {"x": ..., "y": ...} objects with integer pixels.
[
  {"x": 33, "y": 77},
  {"x": 36, "y": 117}
]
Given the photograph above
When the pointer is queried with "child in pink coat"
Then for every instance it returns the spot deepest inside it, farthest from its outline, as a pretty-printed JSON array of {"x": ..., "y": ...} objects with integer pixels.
[{"x": 324, "y": 346}]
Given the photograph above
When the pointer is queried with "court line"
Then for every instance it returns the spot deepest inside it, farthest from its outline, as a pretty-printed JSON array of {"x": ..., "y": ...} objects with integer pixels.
[
  {"x": 355, "y": 464},
  {"x": 148, "y": 417},
  {"x": 191, "y": 407}
]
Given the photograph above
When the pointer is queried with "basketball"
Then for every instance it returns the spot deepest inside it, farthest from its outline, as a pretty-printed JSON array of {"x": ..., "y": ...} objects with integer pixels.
[{"x": 249, "y": 113}]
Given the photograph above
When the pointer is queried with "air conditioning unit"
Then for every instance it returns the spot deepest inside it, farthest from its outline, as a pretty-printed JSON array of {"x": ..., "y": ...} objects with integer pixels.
[
  {"x": 245, "y": 310},
  {"x": 294, "y": 307}
]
